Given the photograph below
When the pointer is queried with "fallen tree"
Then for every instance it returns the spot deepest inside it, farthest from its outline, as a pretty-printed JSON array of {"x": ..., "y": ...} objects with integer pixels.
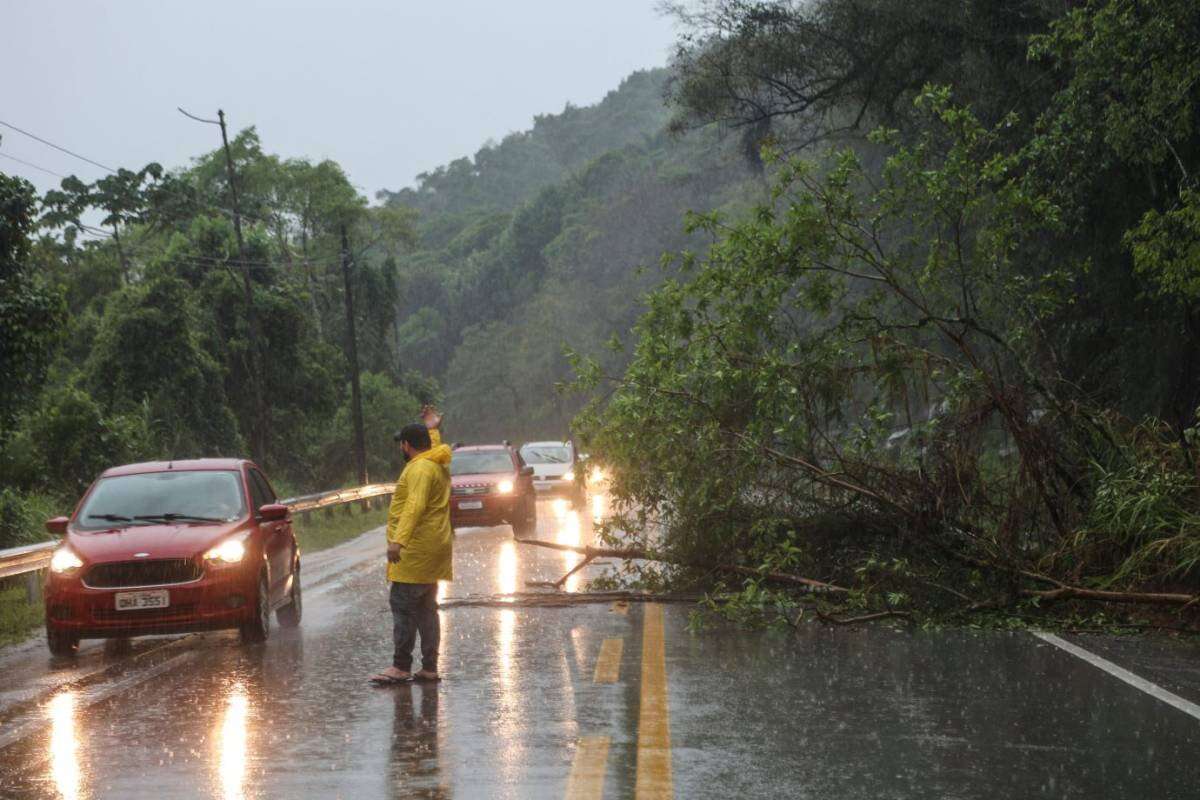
[{"x": 641, "y": 554}]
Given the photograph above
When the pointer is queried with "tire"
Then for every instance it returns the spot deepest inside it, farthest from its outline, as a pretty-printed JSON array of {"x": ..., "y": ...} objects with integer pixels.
[
  {"x": 259, "y": 628},
  {"x": 289, "y": 616},
  {"x": 61, "y": 644}
]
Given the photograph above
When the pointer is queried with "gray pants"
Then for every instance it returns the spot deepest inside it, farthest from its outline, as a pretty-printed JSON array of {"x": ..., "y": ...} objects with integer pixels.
[{"x": 414, "y": 609}]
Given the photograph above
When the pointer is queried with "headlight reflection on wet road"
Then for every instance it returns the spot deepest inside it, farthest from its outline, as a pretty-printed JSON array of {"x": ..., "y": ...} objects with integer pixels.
[
  {"x": 232, "y": 744},
  {"x": 64, "y": 747},
  {"x": 506, "y": 568},
  {"x": 569, "y": 532}
]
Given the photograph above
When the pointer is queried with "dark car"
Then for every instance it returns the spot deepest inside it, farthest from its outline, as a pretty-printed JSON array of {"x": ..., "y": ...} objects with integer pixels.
[
  {"x": 491, "y": 485},
  {"x": 171, "y": 547}
]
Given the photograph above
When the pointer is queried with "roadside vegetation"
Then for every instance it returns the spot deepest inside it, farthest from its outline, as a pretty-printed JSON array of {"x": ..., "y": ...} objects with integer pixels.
[
  {"x": 321, "y": 531},
  {"x": 948, "y": 367}
]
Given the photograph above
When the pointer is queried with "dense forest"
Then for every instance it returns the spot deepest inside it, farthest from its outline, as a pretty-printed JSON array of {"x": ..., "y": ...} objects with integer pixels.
[{"x": 925, "y": 335}]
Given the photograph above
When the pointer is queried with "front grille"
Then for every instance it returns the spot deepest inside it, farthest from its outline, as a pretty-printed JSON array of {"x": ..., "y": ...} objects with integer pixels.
[
  {"x": 168, "y": 613},
  {"x": 142, "y": 573},
  {"x": 461, "y": 491}
]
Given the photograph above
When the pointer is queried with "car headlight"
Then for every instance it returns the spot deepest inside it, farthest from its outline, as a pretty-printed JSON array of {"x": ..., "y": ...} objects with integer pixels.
[
  {"x": 569, "y": 475},
  {"x": 504, "y": 487},
  {"x": 597, "y": 475},
  {"x": 64, "y": 560},
  {"x": 230, "y": 551}
]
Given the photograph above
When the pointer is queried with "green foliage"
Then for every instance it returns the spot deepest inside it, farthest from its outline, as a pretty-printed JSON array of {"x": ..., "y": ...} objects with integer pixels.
[
  {"x": 31, "y": 312},
  {"x": 22, "y": 516},
  {"x": 18, "y": 616},
  {"x": 148, "y": 351},
  {"x": 320, "y": 531},
  {"x": 70, "y": 441},
  {"x": 386, "y": 408}
]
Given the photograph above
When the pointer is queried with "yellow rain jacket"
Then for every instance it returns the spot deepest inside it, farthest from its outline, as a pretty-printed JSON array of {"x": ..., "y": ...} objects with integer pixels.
[{"x": 419, "y": 518}]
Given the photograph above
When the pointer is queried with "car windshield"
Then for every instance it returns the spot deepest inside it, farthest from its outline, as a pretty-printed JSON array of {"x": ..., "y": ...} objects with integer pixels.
[
  {"x": 546, "y": 454},
  {"x": 481, "y": 462},
  {"x": 191, "y": 494}
]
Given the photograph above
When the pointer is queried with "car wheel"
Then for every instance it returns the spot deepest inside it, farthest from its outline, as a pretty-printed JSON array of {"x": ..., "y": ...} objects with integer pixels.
[
  {"x": 61, "y": 644},
  {"x": 289, "y": 615},
  {"x": 259, "y": 628}
]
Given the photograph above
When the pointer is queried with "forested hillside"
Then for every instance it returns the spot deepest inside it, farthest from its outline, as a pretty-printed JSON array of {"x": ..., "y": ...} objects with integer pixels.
[
  {"x": 537, "y": 243},
  {"x": 128, "y": 334}
]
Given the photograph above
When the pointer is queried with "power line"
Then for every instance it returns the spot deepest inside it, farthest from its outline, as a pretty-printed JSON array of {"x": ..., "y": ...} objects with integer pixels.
[
  {"x": 35, "y": 166},
  {"x": 48, "y": 143}
]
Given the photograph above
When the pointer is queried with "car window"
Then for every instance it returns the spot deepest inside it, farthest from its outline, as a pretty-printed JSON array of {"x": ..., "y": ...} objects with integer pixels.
[
  {"x": 264, "y": 486},
  {"x": 258, "y": 492},
  {"x": 481, "y": 462},
  {"x": 546, "y": 454},
  {"x": 204, "y": 493}
]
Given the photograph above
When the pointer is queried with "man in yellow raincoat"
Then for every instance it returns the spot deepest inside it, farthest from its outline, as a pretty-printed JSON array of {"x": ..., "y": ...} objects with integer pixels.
[{"x": 420, "y": 549}]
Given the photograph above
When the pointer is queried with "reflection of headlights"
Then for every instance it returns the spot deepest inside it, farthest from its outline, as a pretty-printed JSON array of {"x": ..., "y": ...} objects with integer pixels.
[
  {"x": 64, "y": 560},
  {"x": 569, "y": 475},
  {"x": 229, "y": 551},
  {"x": 504, "y": 487}
]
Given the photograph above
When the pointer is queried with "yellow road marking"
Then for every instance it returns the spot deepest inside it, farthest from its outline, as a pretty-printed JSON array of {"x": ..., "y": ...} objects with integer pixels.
[
  {"x": 587, "y": 771},
  {"x": 608, "y": 663},
  {"x": 654, "y": 727}
]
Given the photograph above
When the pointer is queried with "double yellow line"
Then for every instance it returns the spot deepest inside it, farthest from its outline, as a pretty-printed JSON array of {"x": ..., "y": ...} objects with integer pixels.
[{"x": 654, "y": 780}]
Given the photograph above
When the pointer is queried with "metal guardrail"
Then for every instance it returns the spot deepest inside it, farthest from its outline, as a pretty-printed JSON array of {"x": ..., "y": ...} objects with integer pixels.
[
  {"x": 35, "y": 557},
  {"x": 30, "y": 558},
  {"x": 312, "y": 502}
]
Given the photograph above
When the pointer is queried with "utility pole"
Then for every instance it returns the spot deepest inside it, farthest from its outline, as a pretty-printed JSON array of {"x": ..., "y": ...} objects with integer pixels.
[
  {"x": 360, "y": 443},
  {"x": 258, "y": 430}
]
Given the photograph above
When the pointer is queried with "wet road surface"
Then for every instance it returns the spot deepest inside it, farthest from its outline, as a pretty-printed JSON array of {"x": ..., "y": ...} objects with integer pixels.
[{"x": 593, "y": 701}]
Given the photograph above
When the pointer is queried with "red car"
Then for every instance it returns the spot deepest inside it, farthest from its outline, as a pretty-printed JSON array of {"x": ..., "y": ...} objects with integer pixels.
[
  {"x": 171, "y": 547},
  {"x": 491, "y": 485}
]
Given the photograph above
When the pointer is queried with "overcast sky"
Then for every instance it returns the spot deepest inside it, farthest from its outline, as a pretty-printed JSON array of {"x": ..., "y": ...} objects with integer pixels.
[{"x": 388, "y": 90}]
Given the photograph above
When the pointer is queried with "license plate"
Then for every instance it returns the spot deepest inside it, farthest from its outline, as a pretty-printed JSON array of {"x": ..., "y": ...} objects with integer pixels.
[
  {"x": 470, "y": 505},
  {"x": 133, "y": 601}
]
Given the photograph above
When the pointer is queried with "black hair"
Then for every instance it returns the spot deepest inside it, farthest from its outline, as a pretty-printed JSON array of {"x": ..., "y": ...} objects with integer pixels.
[{"x": 417, "y": 436}]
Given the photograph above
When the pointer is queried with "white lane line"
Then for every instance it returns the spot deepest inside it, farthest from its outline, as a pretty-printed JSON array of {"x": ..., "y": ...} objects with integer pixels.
[{"x": 1152, "y": 689}]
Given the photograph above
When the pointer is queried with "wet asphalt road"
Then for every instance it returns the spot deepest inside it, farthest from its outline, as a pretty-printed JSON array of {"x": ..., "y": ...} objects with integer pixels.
[{"x": 590, "y": 701}]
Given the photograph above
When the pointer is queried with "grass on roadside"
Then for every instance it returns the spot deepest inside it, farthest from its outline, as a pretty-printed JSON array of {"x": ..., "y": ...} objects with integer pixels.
[
  {"x": 18, "y": 617},
  {"x": 320, "y": 531}
]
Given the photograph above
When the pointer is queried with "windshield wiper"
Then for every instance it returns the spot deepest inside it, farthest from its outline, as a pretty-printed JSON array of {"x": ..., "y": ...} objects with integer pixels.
[
  {"x": 171, "y": 516},
  {"x": 110, "y": 517}
]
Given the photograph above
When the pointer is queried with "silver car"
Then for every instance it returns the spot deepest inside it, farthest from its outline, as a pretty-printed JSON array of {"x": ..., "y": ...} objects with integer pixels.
[{"x": 554, "y": 467}]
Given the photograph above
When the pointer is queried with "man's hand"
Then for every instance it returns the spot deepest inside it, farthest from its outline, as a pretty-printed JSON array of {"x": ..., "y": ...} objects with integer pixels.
[
  {"x": 431, "y": 417},
  {"x": 393, "y": 552}
]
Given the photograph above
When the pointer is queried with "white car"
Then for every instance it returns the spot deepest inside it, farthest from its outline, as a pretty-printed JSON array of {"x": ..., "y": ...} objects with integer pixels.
[{"x": 554, "y": 467}]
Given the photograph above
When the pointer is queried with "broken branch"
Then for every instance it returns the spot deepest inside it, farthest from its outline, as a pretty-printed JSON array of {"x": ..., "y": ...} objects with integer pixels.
[{"x": 637, "y": 553}]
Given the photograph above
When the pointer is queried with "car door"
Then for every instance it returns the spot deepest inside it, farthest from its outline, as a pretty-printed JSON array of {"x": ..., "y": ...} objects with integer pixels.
[{"x": 277, "y": 535}]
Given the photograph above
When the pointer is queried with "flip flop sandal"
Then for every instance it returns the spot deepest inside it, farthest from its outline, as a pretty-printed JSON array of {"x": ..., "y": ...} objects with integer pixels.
[
  {"x": 388, "y": 680},
  {"x": 419, "y": 678}
]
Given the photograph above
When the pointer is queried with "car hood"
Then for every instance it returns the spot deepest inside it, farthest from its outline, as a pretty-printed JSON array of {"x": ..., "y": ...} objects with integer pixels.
[
  {"x": 178, "y": 540},
  {"x": 550, "y": 469}
]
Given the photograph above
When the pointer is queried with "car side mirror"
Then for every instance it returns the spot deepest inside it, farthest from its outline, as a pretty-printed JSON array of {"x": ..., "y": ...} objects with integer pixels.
[
  {"x": 273, "y": 512},
  {"x": 526, "y": 470},
  {"x": 57, "y": 525}
]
